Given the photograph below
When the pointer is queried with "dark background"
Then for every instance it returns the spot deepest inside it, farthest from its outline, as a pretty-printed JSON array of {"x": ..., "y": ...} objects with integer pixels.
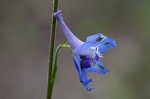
[{"x": 24, "y": 40}]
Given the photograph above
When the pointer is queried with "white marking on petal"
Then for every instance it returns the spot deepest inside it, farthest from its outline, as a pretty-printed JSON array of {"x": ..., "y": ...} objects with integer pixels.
[
  {"x": 99, "y": 54},
  {"x": 89, "y": 52},
  {"x": 93, "y": 62}
]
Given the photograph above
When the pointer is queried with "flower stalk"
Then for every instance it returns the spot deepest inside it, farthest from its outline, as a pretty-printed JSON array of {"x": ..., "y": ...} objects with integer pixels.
[{"x": 51, "y": 51}]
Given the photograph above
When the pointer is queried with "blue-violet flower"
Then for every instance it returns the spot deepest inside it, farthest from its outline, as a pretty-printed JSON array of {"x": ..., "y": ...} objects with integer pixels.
[{"x": 87, "y": 55}]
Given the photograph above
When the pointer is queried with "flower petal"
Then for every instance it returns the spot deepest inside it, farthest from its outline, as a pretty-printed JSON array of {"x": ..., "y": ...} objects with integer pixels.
[
  {"x": 72, "y": 39},
  {"x": 94, "y": 37},
  {"x": 85, "y": 81},
  {"x": 88, "y": 49},
  {"x": 81, "y": 72},
  {"x": 76, "y": 59},
  {"x": 106, "y": 44},
  {"x": 99, "y": 68}
]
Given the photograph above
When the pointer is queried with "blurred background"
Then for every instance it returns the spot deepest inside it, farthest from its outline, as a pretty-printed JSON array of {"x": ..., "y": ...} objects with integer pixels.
[{"x": 24, "y": 43}]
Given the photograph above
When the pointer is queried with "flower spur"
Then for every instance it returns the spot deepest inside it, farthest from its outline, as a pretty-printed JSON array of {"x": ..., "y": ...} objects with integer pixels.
[{"x": 87, "y": 55}]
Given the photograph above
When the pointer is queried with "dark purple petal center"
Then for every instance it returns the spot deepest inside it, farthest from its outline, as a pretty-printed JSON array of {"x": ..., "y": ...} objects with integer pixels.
[
  {"x": 85, "y": 61},
  {"x": 97, "y": 57}
]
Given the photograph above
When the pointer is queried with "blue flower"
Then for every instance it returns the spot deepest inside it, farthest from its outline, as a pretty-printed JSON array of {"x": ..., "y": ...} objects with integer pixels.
[{"x": 87, "y": 55}]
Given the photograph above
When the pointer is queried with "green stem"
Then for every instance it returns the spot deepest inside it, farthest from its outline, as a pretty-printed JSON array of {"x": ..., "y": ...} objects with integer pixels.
[
  {"x": 51, "y": 51},
  {"x": 56, "y": 59}
]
